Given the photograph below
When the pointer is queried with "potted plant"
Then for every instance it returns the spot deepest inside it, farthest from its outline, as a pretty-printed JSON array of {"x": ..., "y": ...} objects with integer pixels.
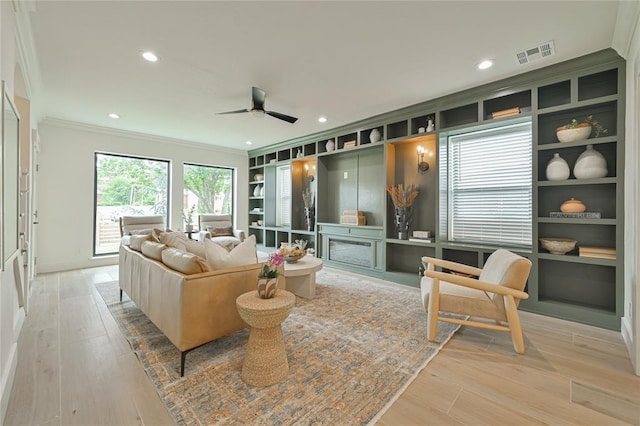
[
  {"x": 187, "y": 216},
  {"x": 578, "y": 131},
  {"x": 268, "y": 276},
  {"x": 402, "y": 201}
]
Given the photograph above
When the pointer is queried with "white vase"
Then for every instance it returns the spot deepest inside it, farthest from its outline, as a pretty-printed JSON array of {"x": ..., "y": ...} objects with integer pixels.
[
  {"x": 256, "y": 191},
  {"x": 557, "y": 168},
  {"x": 375, "y": 136},
  {"x": 430, "y": 126},
  {"x": 330, "y": 145},
  {"x": 590, "y": 165},
  {"x": 262, "y": 191}
]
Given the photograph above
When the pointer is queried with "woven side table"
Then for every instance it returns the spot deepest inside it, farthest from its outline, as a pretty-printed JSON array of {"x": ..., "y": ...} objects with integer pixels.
[{"x": 266, "y": 360}]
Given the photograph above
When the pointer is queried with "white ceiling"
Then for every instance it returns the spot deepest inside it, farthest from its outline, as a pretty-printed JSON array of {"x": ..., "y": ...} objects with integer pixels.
[{"x": 344, "y": 60}]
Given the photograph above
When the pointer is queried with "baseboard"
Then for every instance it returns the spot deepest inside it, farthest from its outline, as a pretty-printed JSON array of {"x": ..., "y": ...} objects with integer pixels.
[
  {"x": 7, "y": 381},
  {"x": 627, "y": 335}
]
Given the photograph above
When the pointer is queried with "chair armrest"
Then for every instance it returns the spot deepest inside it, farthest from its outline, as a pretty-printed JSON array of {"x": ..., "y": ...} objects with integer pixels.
[
  {"x": 204, "y": 234},
  {"x": 239, "y": 234},
  {"x": 477, "y": 284},
  {"x": 454, "y": 266}
]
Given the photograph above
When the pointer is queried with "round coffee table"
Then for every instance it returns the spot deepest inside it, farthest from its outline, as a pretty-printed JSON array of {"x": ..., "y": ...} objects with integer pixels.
[
  {"x": 266, "y": 360},
  {"x": 301, "y": 276}
]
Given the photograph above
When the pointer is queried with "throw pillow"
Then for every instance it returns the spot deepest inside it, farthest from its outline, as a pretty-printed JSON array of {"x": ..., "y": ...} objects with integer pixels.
[
  {"x": 135, "y": 241},
  {"x": 184, "y": 262},
  {"x": 174, "y": 239},
  {"x": 195, "y": 247},
  {"x": 226, "y": 231},
  {"x": 244, "y": 253},
  {"x": 153, "y": 250}
]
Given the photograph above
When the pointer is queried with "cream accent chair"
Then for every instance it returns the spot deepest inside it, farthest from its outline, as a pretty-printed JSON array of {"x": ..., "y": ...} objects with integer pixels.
[
  {"x": 494, "y": 295},
  {"x": 138, "y": 223},
  {"x": 207, "y": 221}
]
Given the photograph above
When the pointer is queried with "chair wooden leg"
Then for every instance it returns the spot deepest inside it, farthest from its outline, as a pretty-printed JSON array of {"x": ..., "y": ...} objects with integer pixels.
[
  {"x": 432, "y": 311},
  {"x": 511, "y": 309}
]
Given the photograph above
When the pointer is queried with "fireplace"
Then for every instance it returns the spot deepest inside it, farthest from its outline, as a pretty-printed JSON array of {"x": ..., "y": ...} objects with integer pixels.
[{"x": 357, "y": 253}]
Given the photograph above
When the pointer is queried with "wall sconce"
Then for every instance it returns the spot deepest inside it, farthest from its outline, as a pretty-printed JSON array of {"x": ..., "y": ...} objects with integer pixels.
[
  {"x": 423, "y": 166},
  {"x": 310, "y": 177}
]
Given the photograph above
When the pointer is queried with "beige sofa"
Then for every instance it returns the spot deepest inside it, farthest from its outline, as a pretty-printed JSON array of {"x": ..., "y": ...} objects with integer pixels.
[{"x": 190, "y": 309}]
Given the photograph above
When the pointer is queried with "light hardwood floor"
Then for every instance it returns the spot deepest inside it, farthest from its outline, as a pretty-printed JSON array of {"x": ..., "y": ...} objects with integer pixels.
[{"x": 76, "y": 368}]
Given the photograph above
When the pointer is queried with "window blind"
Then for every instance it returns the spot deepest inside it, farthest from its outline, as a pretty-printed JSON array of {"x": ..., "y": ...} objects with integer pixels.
[
  {"x": 283, "y": 200},
  {"x": 490, "y": 194}
]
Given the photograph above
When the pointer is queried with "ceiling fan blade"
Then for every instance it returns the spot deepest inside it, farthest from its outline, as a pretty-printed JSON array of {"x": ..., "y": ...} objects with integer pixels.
[
  {"x": 257, "y": 97},
  {"x": 233, "y": 112},
  {"x": 284, "y": 117}
]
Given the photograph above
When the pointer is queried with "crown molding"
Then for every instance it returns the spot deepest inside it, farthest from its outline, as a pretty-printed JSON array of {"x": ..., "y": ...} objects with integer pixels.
[
  {"x": 27, "y": 56},
  {"x": 626, "y": 27},
  {"x": 74, "y": 125}
]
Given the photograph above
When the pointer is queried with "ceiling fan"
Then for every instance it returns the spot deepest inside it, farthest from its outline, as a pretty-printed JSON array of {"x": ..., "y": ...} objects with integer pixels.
[{"x": 257, "y": 107}]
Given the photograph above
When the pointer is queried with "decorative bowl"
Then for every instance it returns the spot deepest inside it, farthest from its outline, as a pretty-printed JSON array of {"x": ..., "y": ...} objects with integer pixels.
[
  {"x": 258, "y": 177},
  {"x": 558, "y": 245},
  {"x": 293, "y": 259},
  {"x": 574, "y": 134}
]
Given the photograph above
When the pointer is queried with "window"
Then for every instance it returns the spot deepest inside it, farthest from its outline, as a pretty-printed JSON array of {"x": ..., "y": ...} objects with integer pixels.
[
  {"x": 126, "y": 186},
  {"x": 283, "y": 198},
  {"x": 486, "y": 186},
  {"x": 209, "y": 188}
]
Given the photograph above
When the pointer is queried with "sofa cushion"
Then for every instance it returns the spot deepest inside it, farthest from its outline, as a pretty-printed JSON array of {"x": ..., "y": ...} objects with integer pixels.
[
  {"x": 184, "y": 262},
  {"x": 153, "y": 249},
  {"x": 243, "y": 254},
  {"x": 135, "y": 241},
  {"x": 225, "y": 231},
  {"x": 174, "y": 239},
  {"x": 195, "y": 247}
]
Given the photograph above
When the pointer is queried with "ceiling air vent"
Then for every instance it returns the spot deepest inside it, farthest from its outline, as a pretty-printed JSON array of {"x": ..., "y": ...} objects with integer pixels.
[{"x": 543, "y": 50}]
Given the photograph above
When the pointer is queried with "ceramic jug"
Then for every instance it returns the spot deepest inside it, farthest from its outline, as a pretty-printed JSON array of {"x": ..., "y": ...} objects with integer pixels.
[
  {"x": 375, "y": 136},
  {"x": 557, "y": 168},
  {"x": 590, "y": 165},
  {"x": 330, "y": 145}
]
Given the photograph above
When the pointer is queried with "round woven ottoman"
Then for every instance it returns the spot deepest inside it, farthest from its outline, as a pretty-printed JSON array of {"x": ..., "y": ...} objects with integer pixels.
[{"x": 266, "y": 360}]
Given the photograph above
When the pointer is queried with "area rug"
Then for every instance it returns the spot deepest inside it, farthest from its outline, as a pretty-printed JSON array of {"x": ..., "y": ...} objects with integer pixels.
[{"x": 352, "y": 350}]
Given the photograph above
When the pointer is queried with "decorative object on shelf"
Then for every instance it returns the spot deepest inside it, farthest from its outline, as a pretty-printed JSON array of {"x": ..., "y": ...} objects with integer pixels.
[
  {"x": 308, "y": 198},
  {"x": 505, "y": 113},
  {"x": 258, "y": 177},
  {"x": 310, "y": 177},
  {"x": 430, "y": 123},
  {"x": 299, "y": 154},
  {"x": 262, "y": 191},
  {"x": 257, "y": 190},
  {"x": 293, "y": 253},
  {"x": 421, "y": 130},
  {"x": 187, "y": 216},
  {"x": 583, "y": 215},
  {"x": 423, "y": 166},
  {"x": 579, "y": 131},
  {"x": 599, "y": 252},
  {"x": 590, "y": 165},
  {"x": 573, "y": 206},
  {"x": 330, "y": 145},
  {"x": 349, "y": 144},
  {"x": 402, "y": 201},
  {"x": 557, "y": 168},
  {"x": 259, "y": 222},
  {"x": 268, "y": 276},
  {"x": 353, "y": 217},
  {"x": 375, "y": 136},
  {"x": 558, "y": 245}
]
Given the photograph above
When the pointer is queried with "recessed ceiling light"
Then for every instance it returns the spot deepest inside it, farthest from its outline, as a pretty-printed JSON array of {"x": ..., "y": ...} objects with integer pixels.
[
  {"x": 322, "y": 119},
  {"x": 114, "y": 115},
  {"x": 248, "y": 142},
  {"x": 485, "y": 64},
  {"x": 150, "y": 56}
]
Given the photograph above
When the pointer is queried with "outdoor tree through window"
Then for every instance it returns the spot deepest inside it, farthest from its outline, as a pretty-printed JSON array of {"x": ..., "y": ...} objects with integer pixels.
[
  {"x": 126, "y": 186},
  {"x": 209, "y": 188}
]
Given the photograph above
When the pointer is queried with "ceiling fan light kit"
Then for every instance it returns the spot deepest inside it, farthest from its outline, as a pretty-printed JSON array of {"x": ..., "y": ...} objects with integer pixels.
[{"x": 257, "y": 107}]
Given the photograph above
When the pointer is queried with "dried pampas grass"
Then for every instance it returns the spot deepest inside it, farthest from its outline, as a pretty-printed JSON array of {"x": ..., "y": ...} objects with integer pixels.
[{"x": 402, "y": 197}]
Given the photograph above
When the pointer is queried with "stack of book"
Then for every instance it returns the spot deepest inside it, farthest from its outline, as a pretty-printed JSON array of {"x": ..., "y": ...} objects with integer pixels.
[
  {"x": 353, "y": 217},
  {"x": 349, "y": 144},
  {"x": 421, "y": 237},
  {"x": 583, "y": 215},
  {"x": 600, "y": 252},
  {"x": 506, "y": 112}
]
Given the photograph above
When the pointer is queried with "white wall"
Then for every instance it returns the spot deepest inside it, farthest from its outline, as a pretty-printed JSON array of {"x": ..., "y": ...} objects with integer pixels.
[
  {"x": 65, "y": 183},
  {"x": 627, "y": 43}
]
